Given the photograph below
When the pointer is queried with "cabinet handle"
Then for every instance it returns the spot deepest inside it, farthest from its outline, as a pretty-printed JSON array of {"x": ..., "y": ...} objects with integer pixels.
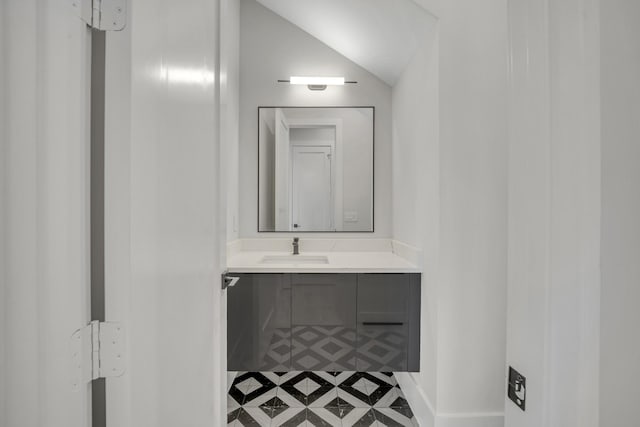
[{"x": 383, "y": 323}]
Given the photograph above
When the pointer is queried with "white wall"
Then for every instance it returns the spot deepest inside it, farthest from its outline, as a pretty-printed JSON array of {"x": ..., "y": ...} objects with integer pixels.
[
  {"x": 416, "y": 187},
  {"x": 379, "y": 35},
  {"x": 271, "y": 49},
  {"x": 450, "y": 195},
  {"x": 620, "y": 293},
  {"x": 473, "y": 234},
  {"x": 230, "y": 112},
  {"x": 44, "y": 157},
  {"x": 554, "y": 211},
  {"x": 325, "y": 136}
]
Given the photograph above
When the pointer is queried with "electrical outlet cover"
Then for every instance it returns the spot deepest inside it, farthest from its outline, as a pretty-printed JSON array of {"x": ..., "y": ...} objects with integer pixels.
[{"x": 517, "y": 388}]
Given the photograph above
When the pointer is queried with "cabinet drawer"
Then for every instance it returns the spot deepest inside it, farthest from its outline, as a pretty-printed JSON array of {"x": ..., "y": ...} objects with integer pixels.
[
  {"x": 383, "y": 329},
  {"x": 323, "y": 322}
]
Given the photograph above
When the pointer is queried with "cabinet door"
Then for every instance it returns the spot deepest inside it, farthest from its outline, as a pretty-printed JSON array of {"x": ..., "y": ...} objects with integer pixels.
[
  {"x": 259, "y": 323},
  {"x": 323, "y": 322},
  {"x": 383, "y": 322}
]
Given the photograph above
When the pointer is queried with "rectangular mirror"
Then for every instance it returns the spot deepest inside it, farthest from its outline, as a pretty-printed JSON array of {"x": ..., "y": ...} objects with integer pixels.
[{"x": 315, "y": 169}]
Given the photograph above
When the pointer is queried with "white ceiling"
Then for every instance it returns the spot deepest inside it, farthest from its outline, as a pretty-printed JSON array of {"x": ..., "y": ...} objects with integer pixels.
[{"x": 379, "y": 35}]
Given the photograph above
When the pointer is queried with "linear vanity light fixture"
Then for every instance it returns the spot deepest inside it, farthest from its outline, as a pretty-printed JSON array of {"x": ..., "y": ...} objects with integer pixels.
[{"x": 317, "y": 83}]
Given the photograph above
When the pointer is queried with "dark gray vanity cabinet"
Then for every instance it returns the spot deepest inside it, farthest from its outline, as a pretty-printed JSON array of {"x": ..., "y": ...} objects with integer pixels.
[
  {"x": 388, "y": 322},
  {"x": 259, "y": 323},
  {"x": 324, "y": 322}
]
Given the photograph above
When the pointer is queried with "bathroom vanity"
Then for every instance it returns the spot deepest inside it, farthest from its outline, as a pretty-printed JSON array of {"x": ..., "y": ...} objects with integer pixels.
[
  {"x": 347, "y": 311},
  {"x": 320, "y": 304}
]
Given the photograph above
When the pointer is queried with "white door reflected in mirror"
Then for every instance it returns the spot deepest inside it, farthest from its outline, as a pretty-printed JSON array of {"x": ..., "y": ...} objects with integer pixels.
[
  {"x": 315, "y": 169},
  {"x": 312, "y": 188}
]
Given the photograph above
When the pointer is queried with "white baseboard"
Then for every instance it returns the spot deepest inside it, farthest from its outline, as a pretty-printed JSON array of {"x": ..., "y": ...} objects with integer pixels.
[
  {"x": 471, "y": 420},
  {"x": 427, "y": 416},
  {"x": 417, "y": 398}
]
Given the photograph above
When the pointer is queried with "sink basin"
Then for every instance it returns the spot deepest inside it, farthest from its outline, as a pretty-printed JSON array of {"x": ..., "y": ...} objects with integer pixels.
[{"x": 294, "y": 259}]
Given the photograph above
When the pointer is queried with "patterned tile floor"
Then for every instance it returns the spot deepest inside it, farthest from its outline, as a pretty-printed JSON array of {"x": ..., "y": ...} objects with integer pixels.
[{"x": 327, "y": 399}]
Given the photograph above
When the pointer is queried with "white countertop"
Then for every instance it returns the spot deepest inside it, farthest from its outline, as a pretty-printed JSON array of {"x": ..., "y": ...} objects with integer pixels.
[{"x": 339, "y": 262}]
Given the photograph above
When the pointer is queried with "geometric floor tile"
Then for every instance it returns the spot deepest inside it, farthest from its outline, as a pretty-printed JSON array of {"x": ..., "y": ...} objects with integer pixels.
[
  {"x": 393, "y": 398},
  {"x": 359, "y": 417},
  {"x": 387, "y": 377},
  {"x": 391, "y": 417},
  {"x": 250, "y": 385},
  {"x": 320, "y": 398},
  {"x": 365, "y": 387}
]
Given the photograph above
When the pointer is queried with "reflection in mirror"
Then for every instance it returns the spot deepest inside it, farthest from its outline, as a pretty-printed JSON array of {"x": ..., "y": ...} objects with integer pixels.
[{"x": 315, "y": 168}]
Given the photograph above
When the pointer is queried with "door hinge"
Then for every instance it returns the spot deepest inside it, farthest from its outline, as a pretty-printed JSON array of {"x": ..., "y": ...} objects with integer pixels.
[
  {"x": 97, "y": 351},
  {"x": 104, "y": 15}
]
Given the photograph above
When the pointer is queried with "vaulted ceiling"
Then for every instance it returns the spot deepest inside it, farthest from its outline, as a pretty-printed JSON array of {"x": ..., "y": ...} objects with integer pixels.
[{"x": 379, "y": 35}]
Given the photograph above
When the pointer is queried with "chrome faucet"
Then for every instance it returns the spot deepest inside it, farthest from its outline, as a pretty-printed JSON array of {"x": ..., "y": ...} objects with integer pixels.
[{"x": 296, "y": 250}]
